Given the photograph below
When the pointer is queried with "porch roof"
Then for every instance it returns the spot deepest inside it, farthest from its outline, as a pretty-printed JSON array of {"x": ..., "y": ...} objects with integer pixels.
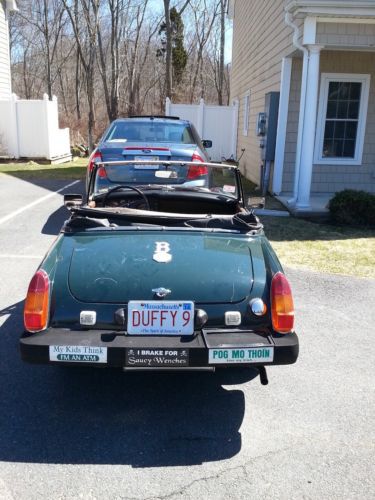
[{"x": 332, "y": 8}]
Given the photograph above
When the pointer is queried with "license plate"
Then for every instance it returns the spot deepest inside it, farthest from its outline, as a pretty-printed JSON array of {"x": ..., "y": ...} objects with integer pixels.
[
  {"x": 77, "y": 354},
  {"x": 160, "y": 318},
  {"x": 240, "y": 355},
  {"x": 146, "y": 158},
  {"x": 157, "y": 357}
]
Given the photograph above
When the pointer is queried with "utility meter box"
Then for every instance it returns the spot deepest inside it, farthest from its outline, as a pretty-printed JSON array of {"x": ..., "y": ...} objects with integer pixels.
[{"x": 271, "y": 111}]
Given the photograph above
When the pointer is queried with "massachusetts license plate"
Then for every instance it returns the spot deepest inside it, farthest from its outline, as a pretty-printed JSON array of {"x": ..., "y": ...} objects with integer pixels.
[
  {"x": 157, "y": 357},
  {"x": 146, "y": 158},
  {"x": 160, "y": 318},
  {"x": 241, "y": 355}
]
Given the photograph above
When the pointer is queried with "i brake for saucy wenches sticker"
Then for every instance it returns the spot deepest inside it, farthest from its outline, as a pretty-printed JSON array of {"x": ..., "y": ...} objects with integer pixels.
[{"x": 157, "y": 357}]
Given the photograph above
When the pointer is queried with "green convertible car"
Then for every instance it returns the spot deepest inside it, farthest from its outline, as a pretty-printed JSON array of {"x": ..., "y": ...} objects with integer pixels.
[{"x": 160, "y": 275}]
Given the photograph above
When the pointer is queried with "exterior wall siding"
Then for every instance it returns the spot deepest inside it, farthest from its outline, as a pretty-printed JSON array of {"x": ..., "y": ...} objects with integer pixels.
[
  {"x": 346, "y": 34},
  {"x": 332, "y": 178},
  {"x": 292, "y": 126},
  {"x": 5, "y": 80},
  {"x": 260, "y": 40}
]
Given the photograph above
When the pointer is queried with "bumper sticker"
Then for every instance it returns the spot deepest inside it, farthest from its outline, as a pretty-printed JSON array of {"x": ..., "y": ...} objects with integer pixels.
[
  {"x": 240, "y": 355},
  {"x": 157, "y": 357},
  {"x": 77, "y": 354}
]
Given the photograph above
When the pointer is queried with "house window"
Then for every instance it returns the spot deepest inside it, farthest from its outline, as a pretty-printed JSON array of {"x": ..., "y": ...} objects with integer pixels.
[
  {"x": 246, "y": 114},
  {"x": 342, "y": 119}
]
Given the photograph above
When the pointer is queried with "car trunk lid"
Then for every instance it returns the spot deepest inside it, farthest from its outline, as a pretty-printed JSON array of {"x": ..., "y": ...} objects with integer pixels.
[
  {"x": 143, "y": 152},
  {"x": 127, "y": 266},
  {"x": 128, "y": 151}
]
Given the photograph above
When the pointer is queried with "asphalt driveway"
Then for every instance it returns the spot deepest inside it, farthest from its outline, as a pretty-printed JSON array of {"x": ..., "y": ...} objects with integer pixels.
[{"x": 76, "y": 433}]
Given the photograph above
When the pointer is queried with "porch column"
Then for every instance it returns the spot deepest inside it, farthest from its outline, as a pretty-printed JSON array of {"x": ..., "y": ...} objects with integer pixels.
[{"x": 309, "y": 127}]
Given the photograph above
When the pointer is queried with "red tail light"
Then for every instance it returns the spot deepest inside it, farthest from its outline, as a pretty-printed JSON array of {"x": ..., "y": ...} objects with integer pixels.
[
  {"x": 196, "y": 171},
  {"x": 37, "y": 303},
  {"x": 102, "y": 173},
  {"x": 281, "y": 304},
  {"x": 197, "y": 157},
  {"x": 95, "y": 156}
]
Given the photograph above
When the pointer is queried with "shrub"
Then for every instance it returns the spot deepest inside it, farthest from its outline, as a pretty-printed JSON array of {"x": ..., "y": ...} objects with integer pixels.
[
  {"x": 356, "y": 208},
  {"x": 75, "y": 151}
]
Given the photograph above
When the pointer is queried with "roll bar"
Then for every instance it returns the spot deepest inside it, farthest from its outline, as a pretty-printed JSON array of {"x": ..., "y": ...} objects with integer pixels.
[{"x": 235, "y": 168}]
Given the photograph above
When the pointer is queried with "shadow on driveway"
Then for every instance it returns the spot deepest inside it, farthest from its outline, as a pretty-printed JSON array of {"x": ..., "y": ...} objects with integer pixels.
[
  {"x": 56, "y": 220},
  {"x": 52, "y": 414}
]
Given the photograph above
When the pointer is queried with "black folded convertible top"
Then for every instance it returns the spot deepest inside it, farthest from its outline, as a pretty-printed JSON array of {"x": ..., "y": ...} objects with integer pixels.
[{"x": 84, "y": 217}]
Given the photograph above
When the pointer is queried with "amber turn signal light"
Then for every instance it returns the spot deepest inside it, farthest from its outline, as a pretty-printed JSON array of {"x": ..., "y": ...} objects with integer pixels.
[
  {"x": 37, "y": 302},
  {"x": 282, "y": 307}
]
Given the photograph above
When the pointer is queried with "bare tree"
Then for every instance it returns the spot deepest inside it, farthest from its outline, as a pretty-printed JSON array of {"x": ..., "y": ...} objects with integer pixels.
[
  {"x": 89, "y": 11},
  {"x": 220, "y": 79},
  {"x": 205, "y": 14},
  {"x": 118, "y": 10},
  {"x": 100, "y": 57},
  {"x": 132, "y": 50},
  {"x": 168, "y": 50},
  {"x": 216, "y": 53},
  {"x": 47, "y": 16},
  {"x": 77, "y": 84}
]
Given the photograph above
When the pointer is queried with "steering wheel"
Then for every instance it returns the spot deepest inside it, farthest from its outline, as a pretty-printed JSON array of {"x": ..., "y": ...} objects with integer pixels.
[{"x": 118, "y": 188}]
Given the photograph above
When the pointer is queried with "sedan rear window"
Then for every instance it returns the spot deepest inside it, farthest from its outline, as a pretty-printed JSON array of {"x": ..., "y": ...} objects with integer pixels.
[{"x": 150, "y": 132}]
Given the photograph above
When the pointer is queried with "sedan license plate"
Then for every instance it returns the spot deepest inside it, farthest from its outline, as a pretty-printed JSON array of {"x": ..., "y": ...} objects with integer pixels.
[
  {"x": 240, "y": 355},
  {"x": 160, "y": 318},
  {"x": 146, "y": 158}
]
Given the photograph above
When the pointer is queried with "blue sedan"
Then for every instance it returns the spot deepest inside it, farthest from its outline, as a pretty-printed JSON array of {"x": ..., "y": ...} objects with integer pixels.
[{"x": 149, "y": 139}]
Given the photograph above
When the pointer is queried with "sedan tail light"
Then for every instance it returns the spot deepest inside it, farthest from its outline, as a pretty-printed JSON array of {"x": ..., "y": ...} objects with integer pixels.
[
  {"x": 197, "y": 157},
  {"x": 282, "y": 306},
  {"x": 196, "y": 171},
  {"x": 102, "y": 173},
  {"x": 37, "y": 303},
  {"x": 95, "y": 156}
]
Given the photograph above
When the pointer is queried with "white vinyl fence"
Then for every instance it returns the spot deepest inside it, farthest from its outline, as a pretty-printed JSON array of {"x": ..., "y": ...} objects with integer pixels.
[
  {"x": 30, "y": 129},
  {"x": 215, "y": 123}
]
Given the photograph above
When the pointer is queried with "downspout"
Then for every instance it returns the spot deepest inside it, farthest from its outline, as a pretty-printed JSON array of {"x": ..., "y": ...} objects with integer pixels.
[{"x": 299, "y": 46}]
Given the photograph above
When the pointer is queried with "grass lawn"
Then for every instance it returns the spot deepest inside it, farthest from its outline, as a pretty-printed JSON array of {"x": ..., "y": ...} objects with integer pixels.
[
  {"x": 69, "y": 171},
  {"x": 322, "y": 247},
  {"x": 298, "y": 243}
]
